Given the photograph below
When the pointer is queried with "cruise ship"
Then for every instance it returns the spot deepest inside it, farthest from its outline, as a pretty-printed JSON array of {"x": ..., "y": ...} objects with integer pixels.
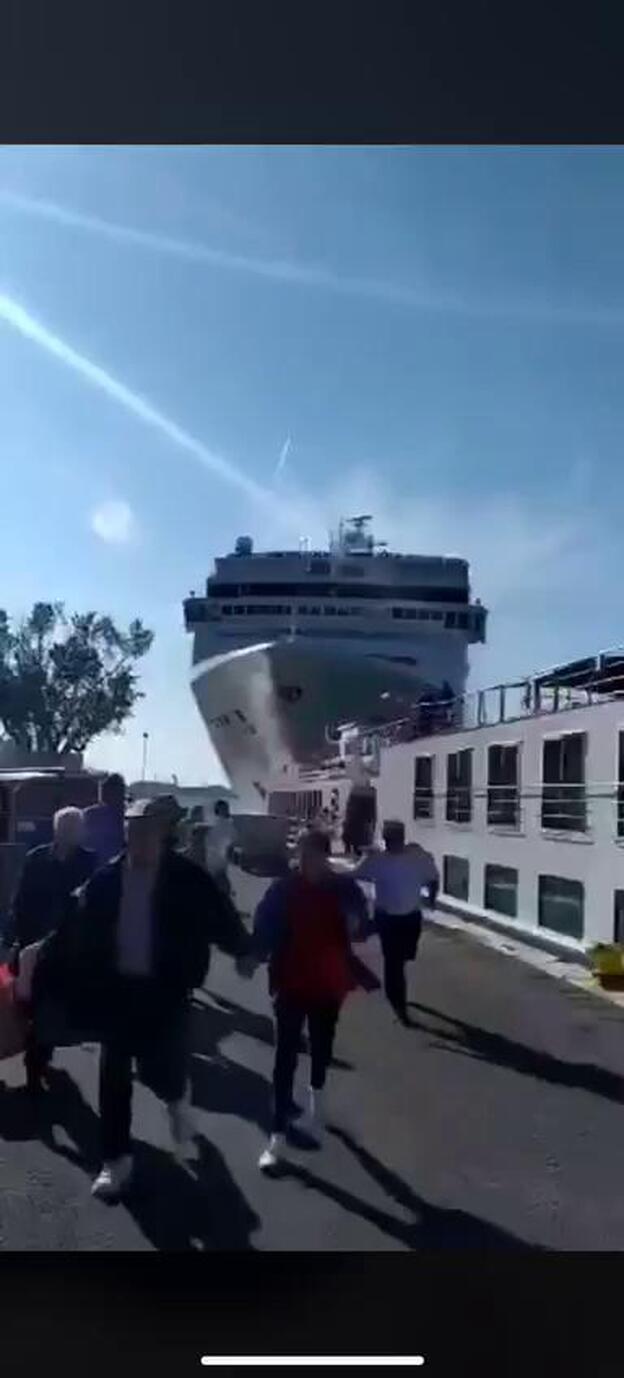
[{"x": 289, "y": 646}]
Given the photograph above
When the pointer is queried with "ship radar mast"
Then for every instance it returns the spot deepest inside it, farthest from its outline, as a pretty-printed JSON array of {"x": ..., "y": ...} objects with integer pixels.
[{"x": 356, "y": 538}]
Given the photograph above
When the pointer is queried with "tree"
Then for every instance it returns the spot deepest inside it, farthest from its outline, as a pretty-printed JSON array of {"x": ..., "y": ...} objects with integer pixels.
[{"x": 66, "y": 679}]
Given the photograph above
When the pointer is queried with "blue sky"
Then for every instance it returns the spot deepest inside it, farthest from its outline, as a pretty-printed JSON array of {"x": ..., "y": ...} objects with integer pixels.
[{"x": 433, "y": 335}]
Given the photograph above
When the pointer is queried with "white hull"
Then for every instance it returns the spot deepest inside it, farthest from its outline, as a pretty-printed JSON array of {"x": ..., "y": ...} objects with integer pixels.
[{"x": 267, "y": 706}]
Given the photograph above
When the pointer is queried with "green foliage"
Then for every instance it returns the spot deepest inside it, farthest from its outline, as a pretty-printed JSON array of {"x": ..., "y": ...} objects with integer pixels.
[{"x": 66, "y": 679}]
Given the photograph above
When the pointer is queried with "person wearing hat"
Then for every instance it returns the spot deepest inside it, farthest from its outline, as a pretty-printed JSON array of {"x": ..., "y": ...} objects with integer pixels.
[{"x": 136, "y": 946}]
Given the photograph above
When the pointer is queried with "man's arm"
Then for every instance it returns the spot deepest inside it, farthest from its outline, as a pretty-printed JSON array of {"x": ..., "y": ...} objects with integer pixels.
[
  {"x": 17, "y": 928},
  {"x": 269, "y": 921},
  {"x": 432, "y": 879},
  {"x": 225, "y": 928},
  {"x": 367, "y": 869},
  {"x": 355, "y": 907}
]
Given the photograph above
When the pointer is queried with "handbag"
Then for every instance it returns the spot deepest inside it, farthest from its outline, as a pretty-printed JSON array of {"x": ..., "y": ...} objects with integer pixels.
[
  {"x": 27, "y": 962},
  {"x": 12, "y": 1019}
]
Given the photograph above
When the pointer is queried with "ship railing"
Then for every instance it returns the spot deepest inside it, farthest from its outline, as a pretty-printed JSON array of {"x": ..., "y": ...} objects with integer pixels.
[
  {"x": 580, "y": 808},
  {"x": 498, "y": 704}
]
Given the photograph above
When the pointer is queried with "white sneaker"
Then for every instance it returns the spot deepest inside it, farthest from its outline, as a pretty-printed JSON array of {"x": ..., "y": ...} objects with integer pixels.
[
  {"x": 113, "y": 1179},
  {"x": 312, "y": 1123},
  {"x": 271, "y": 1155},
  {"x": 183, "y": 1129}
]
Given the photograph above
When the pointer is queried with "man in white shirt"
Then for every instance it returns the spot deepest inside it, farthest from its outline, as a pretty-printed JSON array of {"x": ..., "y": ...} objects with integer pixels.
[{"x": 400, "y": 874}]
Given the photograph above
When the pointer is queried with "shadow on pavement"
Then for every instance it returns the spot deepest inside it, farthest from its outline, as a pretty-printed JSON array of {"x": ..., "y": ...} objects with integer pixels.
[
  {"x": 249, "y": 1022},
  {"x": 432, "y": 1227},
  {"x": 220, "y": 1084},
  {"x": 200, "y": 1207},
  {"x": 472, "y": 1041}
]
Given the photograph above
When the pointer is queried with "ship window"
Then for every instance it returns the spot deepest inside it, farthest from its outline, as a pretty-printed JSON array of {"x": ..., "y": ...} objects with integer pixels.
[
  {"x": 415, "y": 593},
  {"x": 563, "y": 790},
  {"x": 329, "y": 611},
  {"x": 239, "y": 609},
  {"x": 449, "y": 620},
  {"x": 226, "y": 609},
  {"x": 456, "y": 877},
  {"x": 503, "y": 797},
  {"x": 319, "y": 567},
  {"x": 459, "y": 786},
  {"x": 561, "y": 905},
  {"x": 620, "y": 792},
  {"x": 423, "y": 787},
  {"x": 501, "y": 890},
  {"x": 618, "y": 916},
  {"x": 462, "y": 620}
]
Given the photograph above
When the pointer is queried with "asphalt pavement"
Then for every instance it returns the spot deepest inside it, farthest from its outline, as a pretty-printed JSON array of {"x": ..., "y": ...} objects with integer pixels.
[{"x": 496, "y": 1122}]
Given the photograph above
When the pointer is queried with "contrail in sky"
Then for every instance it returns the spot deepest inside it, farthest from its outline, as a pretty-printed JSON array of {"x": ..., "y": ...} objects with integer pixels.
[
  {"x": 31, "y": 329},
  {"x": 284, "y": 453},
  {"x": 423, "y": 298}
]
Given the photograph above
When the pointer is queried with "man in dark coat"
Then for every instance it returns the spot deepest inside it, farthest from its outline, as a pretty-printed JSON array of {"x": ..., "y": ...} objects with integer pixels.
[
  {"x": 125, "y": 963},
  {"x": 50, "y": 875},
  {"x": 104, "y": 822}
]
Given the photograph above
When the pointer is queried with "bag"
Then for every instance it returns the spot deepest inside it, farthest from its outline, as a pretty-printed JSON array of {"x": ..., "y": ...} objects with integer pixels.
[
  {"x": 12, "y": 1019},
  {"x": 26, "y": 969}
]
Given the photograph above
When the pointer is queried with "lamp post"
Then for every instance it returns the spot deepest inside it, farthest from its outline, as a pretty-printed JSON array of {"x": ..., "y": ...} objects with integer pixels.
[{"x": 145, "y": 745}]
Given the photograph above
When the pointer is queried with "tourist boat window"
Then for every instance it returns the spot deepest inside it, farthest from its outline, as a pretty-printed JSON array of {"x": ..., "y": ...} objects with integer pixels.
[
  {"x": 561, "y": 905},
  {"x": 456, "y": 877},
  {"x": 423, "y": 787},
  {"x": 503, "y": 795},
  {"x": 459, "y": 786},
  {"x": 618, "y": 916},
  {"x": 564, "y": 806},
  {"x": 620, "y": 792},
  {"x": 500, "y": 890}
]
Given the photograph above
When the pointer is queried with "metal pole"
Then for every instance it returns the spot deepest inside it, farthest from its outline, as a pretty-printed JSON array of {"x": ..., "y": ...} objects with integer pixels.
[{"x": 145, "y": 743}]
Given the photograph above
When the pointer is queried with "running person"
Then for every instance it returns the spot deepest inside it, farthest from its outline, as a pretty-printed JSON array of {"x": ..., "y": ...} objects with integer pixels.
[
  {"x": 399, "y": 874},
  {"x": 303, "y": 926}
]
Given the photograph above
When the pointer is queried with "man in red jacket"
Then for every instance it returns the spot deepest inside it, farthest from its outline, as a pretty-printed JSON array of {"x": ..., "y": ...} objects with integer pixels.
[{"x": 303, "y": 926}]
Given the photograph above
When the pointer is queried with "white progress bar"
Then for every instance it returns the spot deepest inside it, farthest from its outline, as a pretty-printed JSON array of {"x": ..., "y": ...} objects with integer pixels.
[{"x": 313, "y": 1361}]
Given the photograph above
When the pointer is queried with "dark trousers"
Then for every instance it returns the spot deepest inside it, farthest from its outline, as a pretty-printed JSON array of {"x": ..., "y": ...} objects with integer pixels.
[
  {"x": 152, "y": 1033},
  {"x": 291, "y": 1017},
  {"x": 37, "y": 1057},
  {"x": 399, "y": 936}
]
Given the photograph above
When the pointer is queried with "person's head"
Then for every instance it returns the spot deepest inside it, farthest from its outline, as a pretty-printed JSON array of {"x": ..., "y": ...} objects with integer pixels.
[
  {"x": 150, "y": 828},
  {"x": 222, "y": 809},
  {"x": 314, "y": 851},
  {"x": 113, "y": 791},
  {"x": 394, "y": 835},
  {"x": 68, "y": 829}
]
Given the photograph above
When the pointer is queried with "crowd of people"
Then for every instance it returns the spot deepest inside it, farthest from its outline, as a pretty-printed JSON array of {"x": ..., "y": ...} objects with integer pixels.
[{"x": 115, "y": 920}]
